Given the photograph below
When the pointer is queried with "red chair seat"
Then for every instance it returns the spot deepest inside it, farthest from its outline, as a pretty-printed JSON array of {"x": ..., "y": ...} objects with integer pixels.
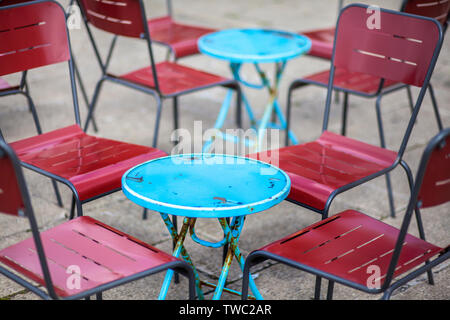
[
  {"x": 173, "y": 78},
  {"x": 181, "y": 38},
  {"x": 318, "y": 168},
  {"x": 93, "y": 165},
  {"x": 355, "y": 81},
  {"x": 347, "y": 243},
  {"x": 321, "y": 42},
  {"x": 102, "y": 254}
]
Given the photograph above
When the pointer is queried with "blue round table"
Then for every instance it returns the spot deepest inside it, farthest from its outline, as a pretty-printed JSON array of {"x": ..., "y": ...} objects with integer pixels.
[
  {"x": 206, "y": 186},
  {"x": 255, "y": 46}
]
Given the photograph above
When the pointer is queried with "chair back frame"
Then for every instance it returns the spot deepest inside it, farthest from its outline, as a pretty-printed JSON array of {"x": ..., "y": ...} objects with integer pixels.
[
  {"x": 423, "y": 81},
  {"x": 39, "y": 4},
  {"x": 85, "y": 6},
  {"x": 437, "y": 148}
]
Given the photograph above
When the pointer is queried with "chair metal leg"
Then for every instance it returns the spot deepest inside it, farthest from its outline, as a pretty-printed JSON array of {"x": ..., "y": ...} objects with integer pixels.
[
  {"x": 93, "y": 103},
  {"x": 420, "y": 228},
  {"x": 144, "y": 214},
  {"x": 76, "y": 203},
  {"x": 288, "y": 115},
  {"x": 157, "y": 121},
  {"x": 435, "y": 107},
  {"x": 32, "y": 108},
  {"x": 330, "y": 290},
  {"x": 57, "y": 194},
  {"x": 238, "y": 106},
  {"x": 317, "y": 288},
  {"x": 83, "y": 91},
  {"x": 383, "y": 145},
  {"x": 344, "y": 114},
  {"x": 175, "y": 118},
  {"x": 410, "y": 99}
]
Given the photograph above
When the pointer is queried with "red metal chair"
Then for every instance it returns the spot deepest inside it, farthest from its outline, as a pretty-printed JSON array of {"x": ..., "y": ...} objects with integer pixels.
[
  {"x": 350, "y": 247},
  {"x": 162, "y": 80},
  {"x": 75, "y": 259},
  {"x": 36, "y": 35},
  {"x": 322, "y": 40},
  {"x": 407, "y": 48},
  {"x": 373, "y": 86},
  {"x": 179, "y": 38}
]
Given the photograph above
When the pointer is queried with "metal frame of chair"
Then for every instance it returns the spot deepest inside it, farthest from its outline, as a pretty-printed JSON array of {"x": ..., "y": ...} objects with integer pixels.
[
  {"x": 371, "y": 86},
  {"x": 349, "y": 242},
  {"x": 90, "y": 166},
  {"x": 111, "y": 18},
  {"x": 101, "y": 253},
  {"x": 323, "y": 169},
  {"x": 22, "y": 88}
]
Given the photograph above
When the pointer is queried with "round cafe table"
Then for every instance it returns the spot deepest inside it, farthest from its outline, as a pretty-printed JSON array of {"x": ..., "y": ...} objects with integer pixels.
[
  {"x": 206, "y": 186},
  {"x": 255, "y": 46}
]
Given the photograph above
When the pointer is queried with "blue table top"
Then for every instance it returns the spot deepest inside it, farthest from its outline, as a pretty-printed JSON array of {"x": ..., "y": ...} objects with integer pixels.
[
  {"x": 206, "y": 185},
  {"x": 254, "y": 45}
]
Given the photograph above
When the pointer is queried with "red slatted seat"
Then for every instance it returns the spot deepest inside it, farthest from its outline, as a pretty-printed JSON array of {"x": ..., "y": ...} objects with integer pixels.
[
  {"x": 102, "y": 253},
  {"x": 93, "y": 165},
  {"x": 174, "y": 78},
  {"x": 77, "y": 258},
  {"x": 345, "y": 244},
  {"x": 320, "y": 167},
  {"x": 182, "y": 38},
  {"x": 354, "y": 81}
]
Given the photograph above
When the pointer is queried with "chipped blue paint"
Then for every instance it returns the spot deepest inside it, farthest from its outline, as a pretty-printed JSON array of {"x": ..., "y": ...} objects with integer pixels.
[
  {"x": 254, "y": 45},
  {"x": 205, "y": 185}
]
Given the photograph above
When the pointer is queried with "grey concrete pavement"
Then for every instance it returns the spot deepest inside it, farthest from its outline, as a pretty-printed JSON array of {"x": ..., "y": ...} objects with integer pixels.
[{"x": 128, "y": 115}]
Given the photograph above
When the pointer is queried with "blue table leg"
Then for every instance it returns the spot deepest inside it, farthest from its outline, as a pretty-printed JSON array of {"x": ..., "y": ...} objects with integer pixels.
[
  {"x": 233, "y": 234},
  {"x": 179, "y": 250}
]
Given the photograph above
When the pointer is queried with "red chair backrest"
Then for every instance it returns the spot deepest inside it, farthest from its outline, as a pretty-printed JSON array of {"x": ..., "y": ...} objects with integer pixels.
[
  {"x": 11, "y": 201},
  {"x": 399, "y": 48},
  {"x": 437, "y": 9},
  {"x": 32, "y": 36},
  {"x": 435, "y": 187},
  {"x": 121, "y": 17}
]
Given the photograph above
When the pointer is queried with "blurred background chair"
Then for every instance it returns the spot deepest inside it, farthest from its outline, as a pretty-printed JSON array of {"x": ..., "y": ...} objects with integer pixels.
[
  {"x": 180, "y": 38},
  {"x": 161, "y": 80},
  {"x": 364, "y": 253}
]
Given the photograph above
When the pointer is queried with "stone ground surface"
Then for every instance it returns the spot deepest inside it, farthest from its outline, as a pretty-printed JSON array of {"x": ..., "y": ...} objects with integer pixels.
[{"x": 128, "y": 115}]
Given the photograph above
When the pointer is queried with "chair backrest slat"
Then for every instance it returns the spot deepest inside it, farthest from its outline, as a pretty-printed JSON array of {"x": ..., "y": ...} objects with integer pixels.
[
  {"x": 437, "y": 9},
  {"x": 31, "y": 37},
  {"x": 121, "y": 17},
  {"x": 435, "y": 187},
  {"x": 398, "y": 48}
]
